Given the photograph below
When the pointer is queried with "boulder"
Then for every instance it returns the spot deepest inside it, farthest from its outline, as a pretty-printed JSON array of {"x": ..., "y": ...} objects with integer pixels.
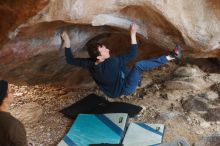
[
  {"x": 187, "y": 83},
  {"x": 209, "y": 95},
  {"x": 30, "y": 45},
  {"x": 196, "y": 104},
  {"x": 210, "y": 140},
  {"x": 213, "y": 114},
  {"x": 187, "y": 71}
]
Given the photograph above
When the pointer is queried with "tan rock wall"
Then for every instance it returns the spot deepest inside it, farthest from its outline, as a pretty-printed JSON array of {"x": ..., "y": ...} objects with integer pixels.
[{"x": 30, "y": 32}]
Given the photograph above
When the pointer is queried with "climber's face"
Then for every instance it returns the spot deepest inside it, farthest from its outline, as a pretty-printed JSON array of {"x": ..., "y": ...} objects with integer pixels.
[{"x": 104, "y": 53}]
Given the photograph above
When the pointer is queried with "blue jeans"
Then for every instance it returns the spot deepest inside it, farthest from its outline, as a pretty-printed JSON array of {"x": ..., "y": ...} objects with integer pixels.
[{"x": 134, "y": 76}]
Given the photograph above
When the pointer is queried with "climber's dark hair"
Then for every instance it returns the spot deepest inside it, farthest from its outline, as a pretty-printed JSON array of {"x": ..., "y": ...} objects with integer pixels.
[
  {"x": 3, "y": 90},
  {"x": 93, "y": 50}
]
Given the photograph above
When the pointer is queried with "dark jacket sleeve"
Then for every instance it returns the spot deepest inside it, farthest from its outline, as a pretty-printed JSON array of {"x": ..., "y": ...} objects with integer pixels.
[
  {"x": 18, "y": 135},
  {"x": 82, "y": 62},
  {"x": 131, "y": 55}
]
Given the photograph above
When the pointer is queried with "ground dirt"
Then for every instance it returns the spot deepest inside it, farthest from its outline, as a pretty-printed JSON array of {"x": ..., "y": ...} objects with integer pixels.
[{"x": 51, "y": 126}]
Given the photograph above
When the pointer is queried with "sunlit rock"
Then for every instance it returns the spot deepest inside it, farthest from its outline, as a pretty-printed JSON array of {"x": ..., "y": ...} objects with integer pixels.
[{"x": 30, "y": 45}]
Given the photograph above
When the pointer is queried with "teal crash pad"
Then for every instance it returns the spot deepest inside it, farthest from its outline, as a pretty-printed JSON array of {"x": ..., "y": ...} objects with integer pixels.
[{"x": 95, "y": 129}]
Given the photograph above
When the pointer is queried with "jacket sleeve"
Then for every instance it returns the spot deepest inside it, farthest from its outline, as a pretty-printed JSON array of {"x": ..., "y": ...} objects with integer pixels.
[
  {"x": 18, "y": 136},
  {"x": 81, "y": 62},
  {"x": 131, "y": 55}
]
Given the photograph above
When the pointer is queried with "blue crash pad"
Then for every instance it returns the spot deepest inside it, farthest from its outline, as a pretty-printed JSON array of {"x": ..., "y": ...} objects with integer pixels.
[{"x": 95, "y": 129}]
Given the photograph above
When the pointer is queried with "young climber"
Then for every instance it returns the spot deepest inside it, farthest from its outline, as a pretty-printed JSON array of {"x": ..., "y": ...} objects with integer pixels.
[
  {"x": 12, "y": 131},
  {"x": 110, "y": 73}
]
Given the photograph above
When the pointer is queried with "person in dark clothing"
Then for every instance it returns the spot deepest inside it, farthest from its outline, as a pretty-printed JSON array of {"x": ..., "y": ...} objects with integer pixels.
[
  {"x": 110, "y": 73},
  {"x": 12, "y": 131}
]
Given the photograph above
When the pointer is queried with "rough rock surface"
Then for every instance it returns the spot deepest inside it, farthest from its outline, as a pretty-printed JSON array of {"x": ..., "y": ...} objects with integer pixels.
[
  {"x": 211, "y": 140},
  {"x": 30, "y": 49},
  {"x": 191, "y": 78},
  {"x": 31, "y": 52}
]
